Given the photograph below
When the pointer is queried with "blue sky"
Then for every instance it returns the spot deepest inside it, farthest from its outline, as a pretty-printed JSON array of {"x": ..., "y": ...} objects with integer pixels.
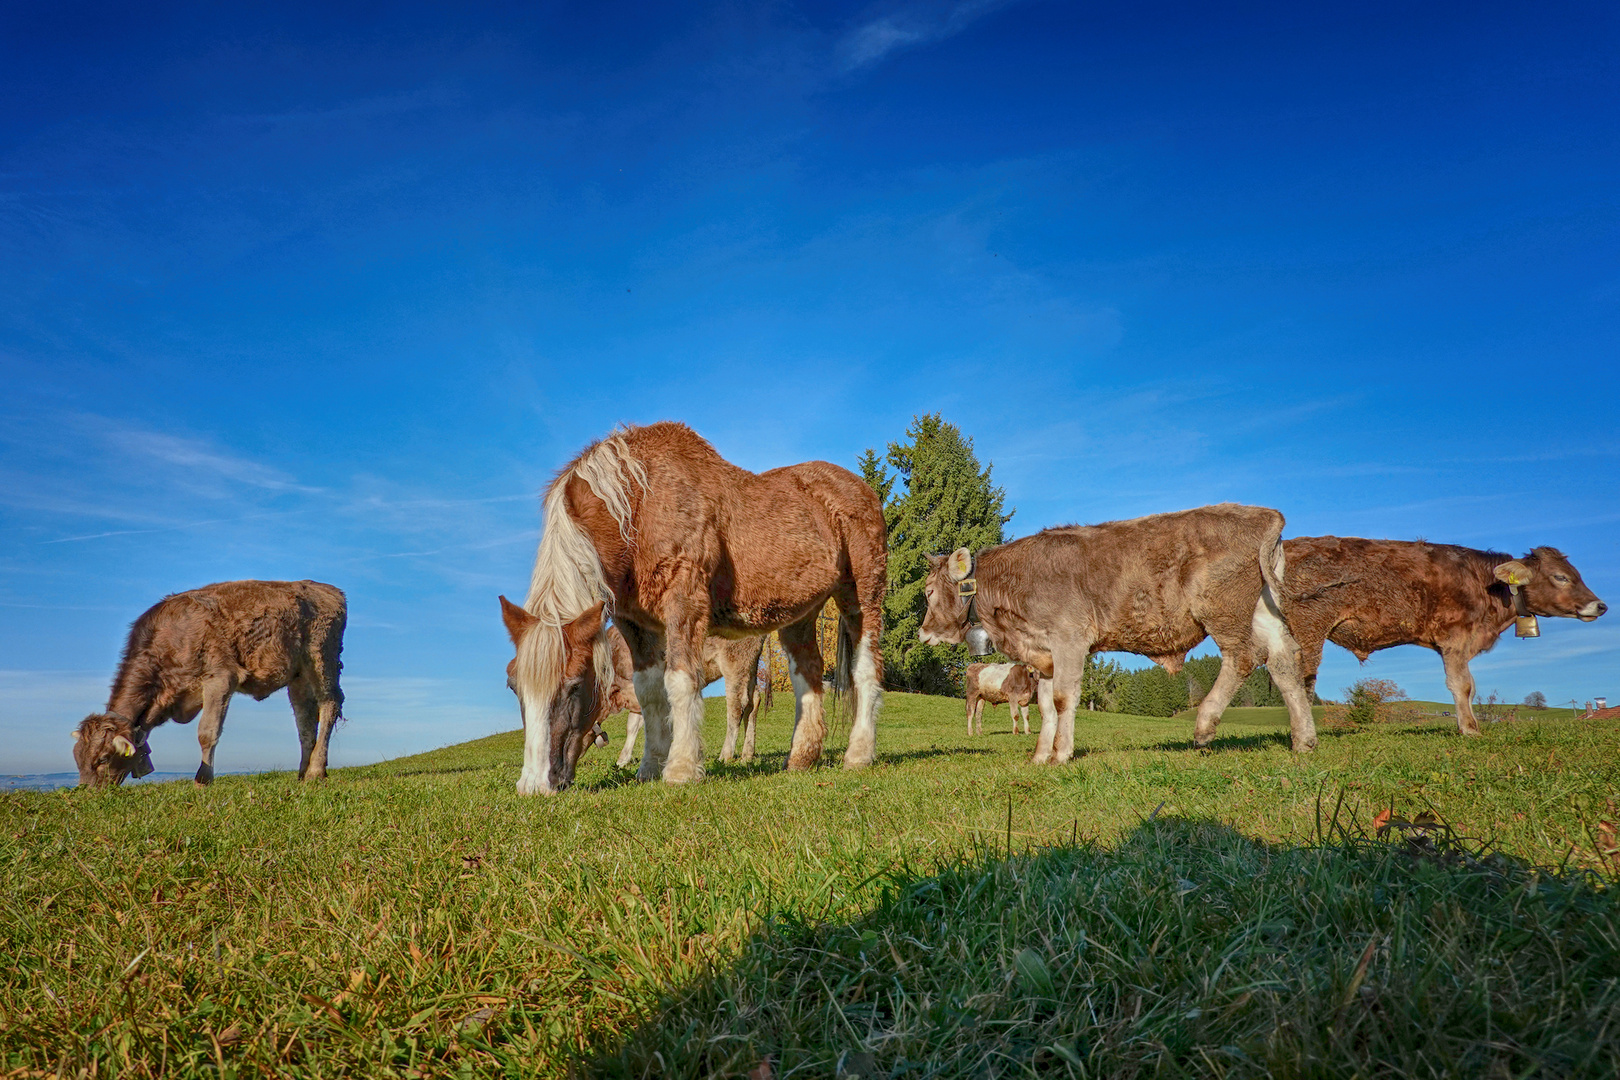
[{"x": 330, "y": 293}]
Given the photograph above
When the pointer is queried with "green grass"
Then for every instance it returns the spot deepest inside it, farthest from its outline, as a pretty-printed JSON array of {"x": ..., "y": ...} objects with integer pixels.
[{"x": 954, "y": 911}]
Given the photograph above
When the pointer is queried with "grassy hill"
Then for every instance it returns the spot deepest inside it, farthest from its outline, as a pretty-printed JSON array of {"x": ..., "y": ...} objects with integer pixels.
[{"x": 1147, "y": 909}]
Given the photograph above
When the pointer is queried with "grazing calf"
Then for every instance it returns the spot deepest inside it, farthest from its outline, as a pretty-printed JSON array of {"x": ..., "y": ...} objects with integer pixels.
[
  {"x": 191, "y": 651},
  {"x": 1368, "y": 595},
  {"x": 1012, "y": 685},
  {"x": 736, "y": 661},
  {"x": 1155, "y": 586}
]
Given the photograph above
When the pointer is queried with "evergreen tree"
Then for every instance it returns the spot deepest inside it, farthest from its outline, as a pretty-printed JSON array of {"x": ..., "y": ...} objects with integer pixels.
[{"x": 948, "y": 502}]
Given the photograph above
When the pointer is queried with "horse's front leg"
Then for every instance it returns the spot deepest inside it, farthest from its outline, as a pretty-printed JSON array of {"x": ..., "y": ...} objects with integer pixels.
[
  {"x": 683, "y": 688},
  {"x": 647, "y": 659}
]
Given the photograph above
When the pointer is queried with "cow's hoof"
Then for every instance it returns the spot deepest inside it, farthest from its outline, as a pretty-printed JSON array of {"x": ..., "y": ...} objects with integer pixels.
[
  {"x": 682, "y": 774},
  {"x": 1305, "y": 747},
  {"x": 647, "y": 773},
  {"x": 204, "y": 777}
]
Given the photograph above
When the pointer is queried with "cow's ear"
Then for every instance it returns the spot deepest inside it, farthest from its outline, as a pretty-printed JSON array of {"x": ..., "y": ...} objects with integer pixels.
[
  {"x": 124, "y": 747},
  {"x": 77, "y": 734},
  {"x": 935, "y": 561},
  {"x": 1514, "y": 572},
  {"x": 961, "y": 564},
  {"x": 517, "y": 621}
]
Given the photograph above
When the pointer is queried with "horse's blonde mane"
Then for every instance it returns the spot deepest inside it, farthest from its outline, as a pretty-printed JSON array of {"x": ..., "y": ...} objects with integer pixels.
[{"x": 567, "y": 577}]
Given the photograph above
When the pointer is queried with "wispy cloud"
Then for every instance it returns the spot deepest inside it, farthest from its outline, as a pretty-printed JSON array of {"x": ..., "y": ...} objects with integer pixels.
[
  {"x": 196, "y": 458},
  {"x": 908, "y": 26}
]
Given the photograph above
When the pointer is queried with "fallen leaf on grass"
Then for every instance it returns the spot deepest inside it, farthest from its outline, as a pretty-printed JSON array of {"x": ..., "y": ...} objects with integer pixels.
[
  {"x": 230, "y": 1036},
  {"x": 1381, "y": 822},
  {"x": 762, "y": 1071},
  {"x": 475, "y": 1020},
  {"x": 472, "y": 862},
  {"x": 1609, "y": 843}
]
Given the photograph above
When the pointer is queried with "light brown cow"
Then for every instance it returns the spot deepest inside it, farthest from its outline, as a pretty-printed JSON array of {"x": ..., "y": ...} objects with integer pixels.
[
  {"x": 734, "y": 660},
  {"x": 1012, "y": 685},
  {"x": 1368, "y": 595},
  {"x": 1154, "y": 585},
  {"x": 191, "y": 651}
]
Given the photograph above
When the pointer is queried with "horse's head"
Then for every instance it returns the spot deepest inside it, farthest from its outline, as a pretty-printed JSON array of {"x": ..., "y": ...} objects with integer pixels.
[
  {"x": 108, "y": 749},
  {"x": 560, "y": 676}
]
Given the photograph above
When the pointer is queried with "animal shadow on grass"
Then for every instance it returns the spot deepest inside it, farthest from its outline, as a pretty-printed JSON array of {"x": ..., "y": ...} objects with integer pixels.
[
  {"x": 1031, "y": 964},
  {"x": 1241, "y": 744}
]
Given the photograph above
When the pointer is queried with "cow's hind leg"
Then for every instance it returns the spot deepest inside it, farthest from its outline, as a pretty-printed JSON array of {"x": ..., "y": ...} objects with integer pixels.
[
  {"x": 804, "y": 669},
  {"x": 1282, "y": 655},
  {"x": 1059, "y": 697},
  {"x": 217, "y": 693},
  {"x": 307, "y": 715},
  {"x": 1460, "y": 681},
  {"x": 1236, "y": 663},
  {"x": 330, "y": 711},
  {"x": 736, "y": 709}
]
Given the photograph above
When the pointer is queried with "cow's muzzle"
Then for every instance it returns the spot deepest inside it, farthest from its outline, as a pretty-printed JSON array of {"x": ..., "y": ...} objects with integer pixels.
[{"x": 1592, "y": 611}]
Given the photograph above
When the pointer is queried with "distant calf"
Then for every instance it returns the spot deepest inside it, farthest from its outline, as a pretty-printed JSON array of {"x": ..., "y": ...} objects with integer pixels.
[
  {"x": 1012, "y": 685},
  {"x": 191, "y": 651},
  {"x": 1368, "y": 595},
  {"x": 1155, "y": 586},
  {"x": 735, "y": 660}
]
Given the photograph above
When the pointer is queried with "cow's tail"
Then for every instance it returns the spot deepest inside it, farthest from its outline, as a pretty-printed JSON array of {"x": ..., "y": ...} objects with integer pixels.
[{"x": 1273, "y": 564}]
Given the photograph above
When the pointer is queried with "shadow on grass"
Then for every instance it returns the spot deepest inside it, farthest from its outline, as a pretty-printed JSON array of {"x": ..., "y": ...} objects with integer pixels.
[
  {"x": 774, "y": 764},
  {"x": 1189, "y": 948}
]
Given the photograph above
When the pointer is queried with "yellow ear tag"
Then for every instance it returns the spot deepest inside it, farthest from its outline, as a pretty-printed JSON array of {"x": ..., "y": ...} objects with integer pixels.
[{"x": 1514, "y": 579}]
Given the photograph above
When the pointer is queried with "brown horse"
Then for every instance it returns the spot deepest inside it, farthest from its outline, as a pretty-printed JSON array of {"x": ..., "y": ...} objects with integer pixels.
[{"x": 683, "y": 544}]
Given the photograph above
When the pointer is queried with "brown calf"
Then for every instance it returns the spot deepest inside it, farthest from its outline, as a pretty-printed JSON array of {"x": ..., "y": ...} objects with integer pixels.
[
  {"x": 1012, "y": 685},
  {"x": 734, "y": 660},
  {"x": 1155, "y": 586},
  {"x": 1368, "y": 595},
  {"x": 191, "y": 651}
]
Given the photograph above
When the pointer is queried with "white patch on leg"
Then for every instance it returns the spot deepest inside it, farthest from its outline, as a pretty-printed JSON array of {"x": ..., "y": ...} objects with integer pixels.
[
  {"x": 868, "y": 700},
  {"x": 1049, "y": 722},
  {"x": 685, "y": 760},
  {"x": 654, "y": 699},
  {"x": 1275, "y": 642},
  {"x": 536, "y": 776}
]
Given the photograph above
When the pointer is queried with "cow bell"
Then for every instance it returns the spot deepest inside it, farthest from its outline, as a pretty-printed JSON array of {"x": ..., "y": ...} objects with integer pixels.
[
  {"x": 1524, "y": 623},
  {"x": 978, "y": 641}
]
